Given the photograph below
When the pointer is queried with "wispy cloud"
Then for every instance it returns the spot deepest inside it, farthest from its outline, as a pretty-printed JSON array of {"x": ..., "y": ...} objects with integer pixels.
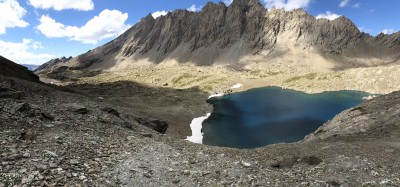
[
  {"x": 388, "y": 31},
  {"x": 344, "y": 3},
  {"x": 362, "y": 29},
  {"x": 357, "y": 5}
]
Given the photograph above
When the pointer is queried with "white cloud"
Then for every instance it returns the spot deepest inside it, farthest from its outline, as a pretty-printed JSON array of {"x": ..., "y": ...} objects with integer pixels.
[
  {"x": 193, "y": 8},
  {"x": 228, "y": 2},
  {"x": 108, "y": 24},
  {"x": 388, "y": 31},
  {"x": 327, "y": 15},
  {"x": 52, "y": 29},
  {"x": 83, "y": 5},
  {"x": 23, "y": 52},
  {"x": 357, "y": 5},
  {"x": 344, "y": 3},
  {"x": 287, "y": 4},
  {"x": 159, "y": 13},
  {"x": 11, "y": 14}
]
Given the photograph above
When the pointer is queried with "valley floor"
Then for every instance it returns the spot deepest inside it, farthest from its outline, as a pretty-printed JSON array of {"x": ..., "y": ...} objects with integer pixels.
[
  {"x": 378, "y": 80},
  {"x": 51, "y": 137}
]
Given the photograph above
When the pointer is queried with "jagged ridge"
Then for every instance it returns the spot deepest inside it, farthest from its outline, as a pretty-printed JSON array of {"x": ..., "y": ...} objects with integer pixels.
[{"x": 220, "y": 34}]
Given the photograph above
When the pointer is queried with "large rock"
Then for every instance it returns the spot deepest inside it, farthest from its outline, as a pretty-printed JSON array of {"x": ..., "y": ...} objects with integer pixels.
[{"x": 155, "y": 124}]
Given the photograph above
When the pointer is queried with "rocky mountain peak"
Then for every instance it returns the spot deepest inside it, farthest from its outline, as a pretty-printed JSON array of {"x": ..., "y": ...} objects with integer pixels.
[
  {"x": 246, "y": 3},
  {"x": 221, "y": 34},
  {"x": 211, "y": 6}
]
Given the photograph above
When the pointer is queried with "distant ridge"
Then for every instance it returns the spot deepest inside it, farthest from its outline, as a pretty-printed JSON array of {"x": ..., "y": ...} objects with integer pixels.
[
  {"x": 31, "y": 67},
  {"x": 46, "y": 66}
]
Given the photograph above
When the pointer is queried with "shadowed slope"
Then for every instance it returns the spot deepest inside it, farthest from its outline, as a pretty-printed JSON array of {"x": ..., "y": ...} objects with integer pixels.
[{"x": 11, "y": 69}]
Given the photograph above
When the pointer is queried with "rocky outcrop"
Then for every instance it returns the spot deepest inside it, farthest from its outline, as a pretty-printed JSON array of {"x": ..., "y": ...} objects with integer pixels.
[
  {"x": 370, "y": 119},
  {"x": 155, "y": 124},
  {"x": 11, "y": 69}
]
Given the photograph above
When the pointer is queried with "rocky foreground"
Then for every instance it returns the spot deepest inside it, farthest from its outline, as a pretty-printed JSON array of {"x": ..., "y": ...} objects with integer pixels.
[{"x": 55, "y": 137}]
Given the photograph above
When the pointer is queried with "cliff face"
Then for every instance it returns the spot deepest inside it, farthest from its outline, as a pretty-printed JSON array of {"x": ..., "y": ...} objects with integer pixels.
[{"x": 220, "y": 34}]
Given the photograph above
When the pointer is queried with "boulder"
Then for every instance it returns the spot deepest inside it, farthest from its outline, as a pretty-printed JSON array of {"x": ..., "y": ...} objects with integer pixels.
[
  {"x": 155, "y": 124},
  {"x": 111, "y": 111}
]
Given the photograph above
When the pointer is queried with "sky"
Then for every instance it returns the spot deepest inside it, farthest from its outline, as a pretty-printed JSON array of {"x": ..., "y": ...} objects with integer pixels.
[{"x": 35, "y": 31}]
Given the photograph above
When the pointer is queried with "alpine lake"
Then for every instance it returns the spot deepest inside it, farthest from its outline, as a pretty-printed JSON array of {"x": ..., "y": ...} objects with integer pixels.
[{"x": 271, "y": 115}]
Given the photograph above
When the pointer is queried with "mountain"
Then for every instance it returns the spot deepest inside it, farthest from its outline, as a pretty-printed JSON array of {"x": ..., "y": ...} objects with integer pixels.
[
  {"x": 11, "y": 69},
  {"x": 31, "y": 67},
  {"x": 44, "y": 67},
  {"x": 243, "y": 32}
]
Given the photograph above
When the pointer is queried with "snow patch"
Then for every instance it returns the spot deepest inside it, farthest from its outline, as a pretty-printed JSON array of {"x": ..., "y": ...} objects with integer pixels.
[
  {"x": 196, "y": 126},
  {"x": 216, "y": 95},
  {"x": 236, "y": 86},
  {"x": 369, "y": 97}
]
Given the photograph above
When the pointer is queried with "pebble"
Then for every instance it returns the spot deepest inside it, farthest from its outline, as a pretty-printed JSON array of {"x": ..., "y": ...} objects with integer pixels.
[
  {"x": 53, "y": 165},
  {"x": 147, "y": 175},
  {"x": 82, "y": 177},
  {"x": 245, "y": 164},
  {"x": 41, "y": 166},
  {"x": 74, "y": 162},
  {"x": 186, "y": 172},
  {"x": 22, "y": 170}
]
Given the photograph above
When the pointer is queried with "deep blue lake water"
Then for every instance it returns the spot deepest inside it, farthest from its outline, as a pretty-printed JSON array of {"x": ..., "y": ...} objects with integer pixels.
[{"x": 270, "y": 115}]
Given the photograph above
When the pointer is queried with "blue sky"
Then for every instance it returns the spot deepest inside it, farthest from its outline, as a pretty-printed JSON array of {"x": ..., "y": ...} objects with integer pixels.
[{"x": 34, "y": 31}]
